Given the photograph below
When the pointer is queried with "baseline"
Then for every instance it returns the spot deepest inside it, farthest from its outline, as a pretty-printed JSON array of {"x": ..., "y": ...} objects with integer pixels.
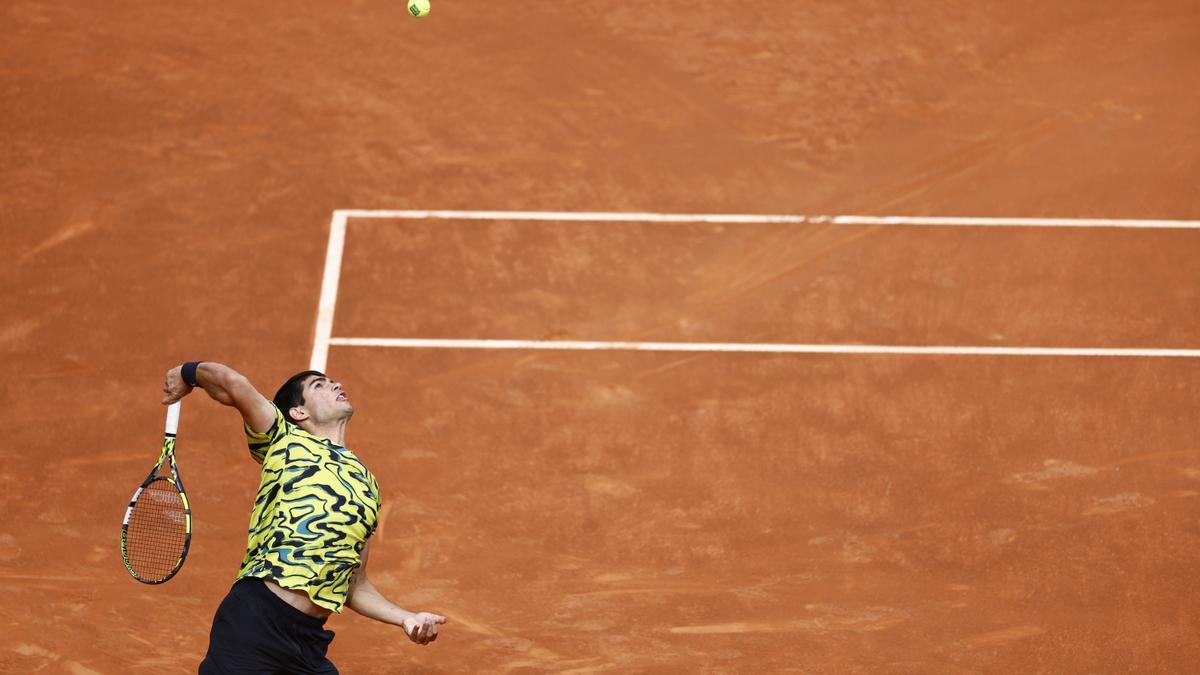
[
  {"x": 767, "y": 219},
  {"x": 760, "y": 348}
]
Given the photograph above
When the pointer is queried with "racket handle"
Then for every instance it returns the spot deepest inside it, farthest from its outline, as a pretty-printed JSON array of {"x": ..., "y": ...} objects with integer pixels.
[{"x": 173, "y": 418}]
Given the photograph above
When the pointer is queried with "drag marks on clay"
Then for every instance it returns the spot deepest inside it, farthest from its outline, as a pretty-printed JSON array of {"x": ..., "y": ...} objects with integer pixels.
[
  {"x": 609, "y": 649},
  {"x": 605, "y": 486},
  {"x": 61, "y": 236},
  {"x": 1053, "y": 469},
  {"x": 593, "y": 603},
  {"x": 1062, "y": 470},
  {"x": 533, "y": 656},
  {"x": 51, "y": 579},
  {"x": 857, "y": 550},
  {"x": 1102, "y": 506},
  {"x": 776, "y": 259},
  {"x": 13, "y": 335},
  {"x": 860, "y": 549},
  {"x": 31, "y": 13},
  {"x": 48, "y": 657},
  {"x": 10, "y": 547},
  {"x": 139, "y": 638},
  {"x": 831, "y": 618},
  {"x": 1002, "y": 536},
  {"x": 98, "y": 553},
  {"x": 105, "y": 458},
  {"x": 413, "y": 454},
  {"x": 1003, "y": 636},
  {"x": 470, "y": 624},
  {"x": 166, "y": 663},
  {"x": 680, "y": 589},
  {"x": 630, "y": 583},
  {"x": 586, "y": 666},
  {"x": 927, "y": 668},
  {"x": 35, "y": 650},
  {"x": 668, "y": 366}
]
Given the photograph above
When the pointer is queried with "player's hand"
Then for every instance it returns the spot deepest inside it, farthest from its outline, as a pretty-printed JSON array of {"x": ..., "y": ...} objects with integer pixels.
[
  {"x": 174, "y": 388},
  {"x": 422, "y": 627}
]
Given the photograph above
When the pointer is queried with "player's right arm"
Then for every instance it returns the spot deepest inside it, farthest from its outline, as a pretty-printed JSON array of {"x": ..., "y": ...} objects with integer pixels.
[{"x": 226, "y": 386}]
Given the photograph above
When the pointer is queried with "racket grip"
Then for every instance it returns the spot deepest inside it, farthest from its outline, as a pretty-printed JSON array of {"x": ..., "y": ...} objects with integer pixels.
[{"x": 173, "y": 418}]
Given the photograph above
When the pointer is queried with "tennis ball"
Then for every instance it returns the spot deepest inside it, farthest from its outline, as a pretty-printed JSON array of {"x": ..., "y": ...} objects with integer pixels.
[{"x": 418, "y": 8}]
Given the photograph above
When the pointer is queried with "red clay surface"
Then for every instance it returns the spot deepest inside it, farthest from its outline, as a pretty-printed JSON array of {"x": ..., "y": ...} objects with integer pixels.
[{"x": 167, "y": 173}]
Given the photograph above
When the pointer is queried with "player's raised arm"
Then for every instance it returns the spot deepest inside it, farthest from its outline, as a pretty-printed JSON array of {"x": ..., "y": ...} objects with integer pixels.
[{"x": 226, "y": 386}]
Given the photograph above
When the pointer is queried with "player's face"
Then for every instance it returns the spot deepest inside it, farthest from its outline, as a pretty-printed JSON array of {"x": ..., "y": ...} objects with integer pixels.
[{"x": 325, "y": 400}]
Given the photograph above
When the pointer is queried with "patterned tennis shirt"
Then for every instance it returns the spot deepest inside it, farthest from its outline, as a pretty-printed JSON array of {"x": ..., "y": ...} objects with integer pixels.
[{"x": 316, "y": 506}]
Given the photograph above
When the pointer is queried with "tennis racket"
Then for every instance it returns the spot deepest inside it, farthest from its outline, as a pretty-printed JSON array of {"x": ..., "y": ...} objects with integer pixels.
[{"x": 158, "y": 523}]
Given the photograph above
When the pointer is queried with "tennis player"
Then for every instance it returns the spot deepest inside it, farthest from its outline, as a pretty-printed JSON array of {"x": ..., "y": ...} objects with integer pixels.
[{"x": 316, "y": 508}]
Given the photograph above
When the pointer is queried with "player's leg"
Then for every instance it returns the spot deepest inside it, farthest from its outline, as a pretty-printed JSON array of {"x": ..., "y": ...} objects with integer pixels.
[
  {"x": 316, "y": 645},
  {"x": 246, "y": 637},
  {"x": 313, "y": 640},
  {"x": 305, "y": 637}
]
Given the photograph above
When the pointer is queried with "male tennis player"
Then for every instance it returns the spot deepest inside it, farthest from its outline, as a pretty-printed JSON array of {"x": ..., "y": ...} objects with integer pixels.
[{"x": 317, "y": 505}]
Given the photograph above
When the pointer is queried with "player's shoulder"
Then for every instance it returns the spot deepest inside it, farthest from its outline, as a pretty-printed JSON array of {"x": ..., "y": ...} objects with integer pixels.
[{"x": 282, "y": 434}]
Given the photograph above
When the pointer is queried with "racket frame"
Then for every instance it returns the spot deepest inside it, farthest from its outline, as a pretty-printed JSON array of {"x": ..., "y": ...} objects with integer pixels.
[{"x": 167, "y": 454}]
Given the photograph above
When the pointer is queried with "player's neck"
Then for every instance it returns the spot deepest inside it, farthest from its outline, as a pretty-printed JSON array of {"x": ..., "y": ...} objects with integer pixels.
[{"x": 334, "y": 432}]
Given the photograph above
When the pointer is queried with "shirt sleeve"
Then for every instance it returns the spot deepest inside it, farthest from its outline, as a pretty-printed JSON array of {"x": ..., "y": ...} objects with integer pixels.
[{"x": 260, "y": 443}]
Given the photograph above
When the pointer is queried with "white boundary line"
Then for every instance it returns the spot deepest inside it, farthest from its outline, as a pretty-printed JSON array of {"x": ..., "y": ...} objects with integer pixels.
[
  {"x": 329, "y": 290},
  {"x": 761, "y": 348},
  {"x": 323, "y": 336},
  {"x": 733, "y": 218}
]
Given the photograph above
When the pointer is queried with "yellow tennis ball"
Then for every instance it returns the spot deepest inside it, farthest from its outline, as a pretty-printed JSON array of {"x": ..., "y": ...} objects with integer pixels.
[{"x": 418, "y": 8}]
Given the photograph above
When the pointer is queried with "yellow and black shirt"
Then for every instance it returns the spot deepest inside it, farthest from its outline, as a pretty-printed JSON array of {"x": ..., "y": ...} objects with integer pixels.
[{"x": 316, "y": 506}]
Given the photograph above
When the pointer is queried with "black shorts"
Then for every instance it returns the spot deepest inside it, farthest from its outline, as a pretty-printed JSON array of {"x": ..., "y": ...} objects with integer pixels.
[{"x": 256, "y": 633}]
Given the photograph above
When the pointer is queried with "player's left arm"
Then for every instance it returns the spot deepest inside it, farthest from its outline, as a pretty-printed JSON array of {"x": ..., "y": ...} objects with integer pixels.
[{"x": 365, "y": 598}]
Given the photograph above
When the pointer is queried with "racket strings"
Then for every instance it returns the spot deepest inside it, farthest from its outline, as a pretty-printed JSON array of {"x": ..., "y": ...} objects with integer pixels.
[{"x": 157, "y": 530}]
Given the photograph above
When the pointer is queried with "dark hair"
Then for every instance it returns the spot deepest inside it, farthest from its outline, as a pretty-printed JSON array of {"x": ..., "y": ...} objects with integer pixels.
[{"x": 291, "y": 394}]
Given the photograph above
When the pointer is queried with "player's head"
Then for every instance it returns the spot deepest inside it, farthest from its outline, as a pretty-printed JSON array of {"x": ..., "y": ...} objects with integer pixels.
[{"x": 310, "y": 397}]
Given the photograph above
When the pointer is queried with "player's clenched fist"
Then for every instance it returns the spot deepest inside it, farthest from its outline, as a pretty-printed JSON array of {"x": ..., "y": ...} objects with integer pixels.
[
  {"x": 174, "y": 388},
  {"x": 422, "y": 627}
]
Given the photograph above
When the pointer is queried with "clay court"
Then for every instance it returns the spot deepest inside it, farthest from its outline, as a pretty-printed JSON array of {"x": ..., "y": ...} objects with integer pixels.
[{"x": 171, "y": 175}]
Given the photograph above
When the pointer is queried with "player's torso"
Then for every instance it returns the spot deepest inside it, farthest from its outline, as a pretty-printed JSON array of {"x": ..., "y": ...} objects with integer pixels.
[
  {"x": 317, "y": 504},
  {"x": 315, "y": 493}
]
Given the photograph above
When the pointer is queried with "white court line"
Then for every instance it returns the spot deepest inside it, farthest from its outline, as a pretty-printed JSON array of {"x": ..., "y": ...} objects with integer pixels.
[
  {"x": 767, "y": 348},
  {"x": 734, "y": 218},
  {"x": 323, "y": 335},
  {"x": 329, "y": 289}
]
